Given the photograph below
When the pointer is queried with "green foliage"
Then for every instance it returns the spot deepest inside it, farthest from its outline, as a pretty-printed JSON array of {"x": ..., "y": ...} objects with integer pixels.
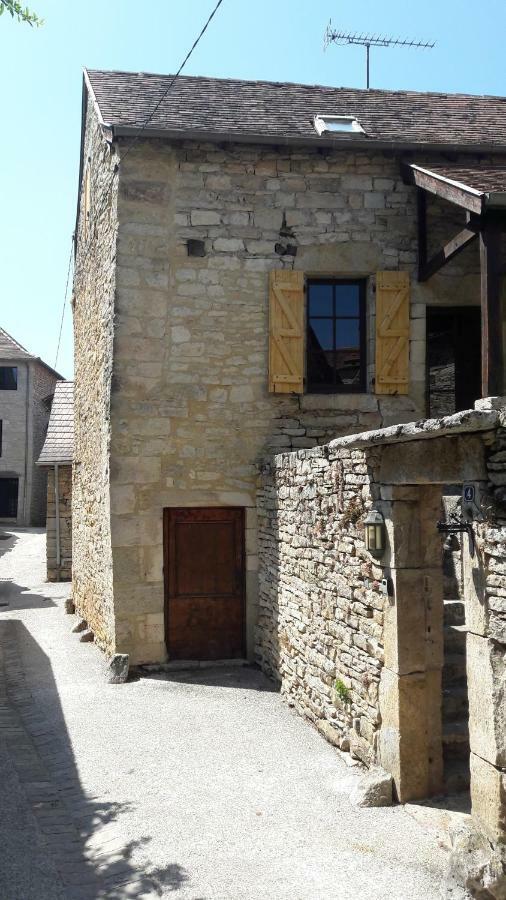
[
  {"x": 342, "y": 691},
  {"x": 22, "y": 14}
]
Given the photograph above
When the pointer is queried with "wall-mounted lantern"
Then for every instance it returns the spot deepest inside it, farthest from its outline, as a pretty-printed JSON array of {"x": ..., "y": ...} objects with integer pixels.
[{"x": 374, "y": 524}]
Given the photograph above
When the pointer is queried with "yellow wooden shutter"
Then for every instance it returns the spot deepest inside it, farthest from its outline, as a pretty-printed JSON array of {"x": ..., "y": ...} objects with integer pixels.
[
  {"x": 286, "y": 331},
  {"x": 392, "y": 333}
]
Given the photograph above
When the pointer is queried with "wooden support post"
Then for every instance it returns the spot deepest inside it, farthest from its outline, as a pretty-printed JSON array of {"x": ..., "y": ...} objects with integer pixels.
[
  {"x": 421, "y": 203},
  {"x": 492, "y": 355}
]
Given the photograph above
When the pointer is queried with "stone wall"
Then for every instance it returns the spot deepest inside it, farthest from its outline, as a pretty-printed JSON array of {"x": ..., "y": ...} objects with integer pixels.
[
  {"x": 63, "y": 571},
  {"x": 93, "y": 306},
  {"x": 320, "y": 620},
  {"x": 190, "y": 411}
]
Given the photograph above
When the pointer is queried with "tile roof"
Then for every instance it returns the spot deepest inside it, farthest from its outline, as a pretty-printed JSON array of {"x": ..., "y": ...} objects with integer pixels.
[
  {"x": 283, "y": 112},
  {"x": 10, "y": 349},
  {"x": 482, "y": 179},
  {"x": 59, "y": 444}
]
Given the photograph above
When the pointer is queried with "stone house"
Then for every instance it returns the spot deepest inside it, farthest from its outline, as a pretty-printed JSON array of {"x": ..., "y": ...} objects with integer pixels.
[
  {"x": 26, "y": 389},
  {"x": 56, "y": 457},
  {"x": 259, "y": 268}
]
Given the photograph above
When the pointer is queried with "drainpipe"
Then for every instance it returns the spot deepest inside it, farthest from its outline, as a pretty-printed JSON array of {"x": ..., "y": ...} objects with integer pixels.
[{"x": 57, "y": 520}]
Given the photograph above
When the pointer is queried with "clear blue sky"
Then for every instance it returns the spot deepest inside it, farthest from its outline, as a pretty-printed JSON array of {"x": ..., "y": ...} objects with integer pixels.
[{"x": 40, "y": 72}]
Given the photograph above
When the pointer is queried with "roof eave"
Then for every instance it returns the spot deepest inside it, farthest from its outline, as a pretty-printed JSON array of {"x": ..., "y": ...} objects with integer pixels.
[
  {"x": 356, "y": 140},
  {"x": 54, "y": 462}
]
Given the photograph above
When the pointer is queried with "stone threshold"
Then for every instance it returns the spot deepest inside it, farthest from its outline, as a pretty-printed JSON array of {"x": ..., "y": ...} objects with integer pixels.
[{"x": 186, "y": 665}]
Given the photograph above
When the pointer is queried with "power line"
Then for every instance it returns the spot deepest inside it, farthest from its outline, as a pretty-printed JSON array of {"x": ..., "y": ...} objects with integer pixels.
[
  {"x": 64, "y": 300},
  {"x": 181, "y": 67},
  {"x": 153, "y": 112}
]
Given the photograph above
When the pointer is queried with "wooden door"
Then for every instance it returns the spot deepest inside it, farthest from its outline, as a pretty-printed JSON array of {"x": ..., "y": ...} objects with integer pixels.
[{"x": 204, "y": 579}]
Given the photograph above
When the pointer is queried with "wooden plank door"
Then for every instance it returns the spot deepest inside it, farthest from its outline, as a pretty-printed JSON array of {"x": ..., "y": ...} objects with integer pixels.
[{"x": 204, "y": 580}]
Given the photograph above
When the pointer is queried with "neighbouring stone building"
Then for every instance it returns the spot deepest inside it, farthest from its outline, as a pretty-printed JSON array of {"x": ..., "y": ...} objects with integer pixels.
[
  {"x": 267, "y": 269},
  {"x": 26, "y": 390},
  {"x": 56, "y": 457}
]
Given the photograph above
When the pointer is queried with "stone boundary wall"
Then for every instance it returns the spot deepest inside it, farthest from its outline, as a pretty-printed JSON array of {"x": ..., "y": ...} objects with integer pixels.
[
  {"x": 322, "y": 614},
  {"x": 320, "y": 620}
]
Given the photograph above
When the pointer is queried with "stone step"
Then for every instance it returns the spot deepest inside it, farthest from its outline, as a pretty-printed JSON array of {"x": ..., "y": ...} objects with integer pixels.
[
  {"x": 454, "y": 669},
  {"x": 456, "y": 732},
  {"x": 454, "y": 612},
  {"x": 456, "y": 776},
  {"x": 455, "y": 741},
  {"x": 455, "y": 703},
  {"x": 454, "y": 638}
]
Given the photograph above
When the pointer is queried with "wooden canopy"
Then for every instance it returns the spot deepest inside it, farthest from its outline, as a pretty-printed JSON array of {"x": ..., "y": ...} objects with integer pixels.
[{"x": 481, "y": 191}]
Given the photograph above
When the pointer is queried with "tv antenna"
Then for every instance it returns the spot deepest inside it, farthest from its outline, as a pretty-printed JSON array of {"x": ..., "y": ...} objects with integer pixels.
[{"x": 332, "y": 36}]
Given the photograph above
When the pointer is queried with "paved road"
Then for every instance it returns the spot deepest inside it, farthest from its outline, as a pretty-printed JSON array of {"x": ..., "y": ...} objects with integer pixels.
[{"x": 200, "y": 786}]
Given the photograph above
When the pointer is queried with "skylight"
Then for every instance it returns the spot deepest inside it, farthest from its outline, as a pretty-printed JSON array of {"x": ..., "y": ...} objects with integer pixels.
[{"x": 337, "y": 124}]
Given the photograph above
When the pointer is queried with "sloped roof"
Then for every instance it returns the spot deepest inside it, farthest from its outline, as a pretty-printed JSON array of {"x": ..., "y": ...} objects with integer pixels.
[
  {"x": 59, "y": 444},
  {"x": 284, "y": 112},
  {"x": 475, "y": 187},
  {"x": 11, "y": 349}
]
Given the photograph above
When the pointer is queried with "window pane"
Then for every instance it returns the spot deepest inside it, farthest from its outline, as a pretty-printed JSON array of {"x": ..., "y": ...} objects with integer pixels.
[
  {"x": 323, "y": 330},
  {"x": 348, "y": 351},
  {"x": 8, "y": 378},
  {"x": 320, "y": 353},
  {"x": 320, "y": 300},
  {"x": 347, "y": 299}
]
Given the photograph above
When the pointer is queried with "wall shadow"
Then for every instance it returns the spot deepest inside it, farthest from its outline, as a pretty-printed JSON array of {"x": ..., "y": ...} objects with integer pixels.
[
  {"x": 80, "y": 833},
  {"x": 242, "y": 678}
]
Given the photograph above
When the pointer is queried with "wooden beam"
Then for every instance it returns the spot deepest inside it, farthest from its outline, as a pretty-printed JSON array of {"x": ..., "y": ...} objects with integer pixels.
[
  {"x": 448, "y": 252},
  {"x": 492, "y": 353},
  {"x": 443, "y": 188}
]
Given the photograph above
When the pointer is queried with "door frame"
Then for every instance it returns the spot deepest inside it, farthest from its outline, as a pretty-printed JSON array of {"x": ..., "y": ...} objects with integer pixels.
[{"x": 167, "y": 510}]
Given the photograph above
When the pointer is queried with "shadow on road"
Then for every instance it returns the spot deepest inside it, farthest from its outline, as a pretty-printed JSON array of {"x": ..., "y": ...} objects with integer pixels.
[
  {"x": 248, "y": 678},
  {"x": 17, "y": 596},
  {"x": 79, "y": 832}
]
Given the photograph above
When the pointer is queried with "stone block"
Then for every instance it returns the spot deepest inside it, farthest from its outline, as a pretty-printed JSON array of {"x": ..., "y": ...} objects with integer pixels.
[
  {"x": 117, "y": 669},
  {"x": 373, "y": 789},
  {"x": 413, "y": 622},
  {"x": 410, "y": 735},
  {"x": 488, "y": 798},
  {"x": 445, "y": 460},
  {"x": 486, "y": 683}
]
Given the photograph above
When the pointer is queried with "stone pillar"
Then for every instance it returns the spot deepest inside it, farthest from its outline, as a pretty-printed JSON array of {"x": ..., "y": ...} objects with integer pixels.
[
  {"x": 486, "y": 679},
  {"x": 410, "y": 688}
]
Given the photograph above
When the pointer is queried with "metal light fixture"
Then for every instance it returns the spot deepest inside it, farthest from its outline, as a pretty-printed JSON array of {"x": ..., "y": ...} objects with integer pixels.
[{"x": 374, "y": 524}]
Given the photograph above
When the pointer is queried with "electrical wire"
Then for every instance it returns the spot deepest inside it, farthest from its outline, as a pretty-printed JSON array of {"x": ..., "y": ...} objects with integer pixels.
[
  {"x": 142, "y": 128},
  {"x": 172, "y": 82},
  {"x": 64, "y": 301}
]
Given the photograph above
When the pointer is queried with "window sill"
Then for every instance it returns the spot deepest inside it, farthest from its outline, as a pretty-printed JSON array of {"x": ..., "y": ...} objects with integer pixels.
[{"x": 352, "y": 401}]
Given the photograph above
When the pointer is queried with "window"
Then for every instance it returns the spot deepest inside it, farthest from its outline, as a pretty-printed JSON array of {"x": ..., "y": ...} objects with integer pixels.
[
  {"x": 8, "y": 378},
  {"x": 335, "y": 346},
  {"x": 341, "y": 124},
  {"x": 8, "y": 498}
]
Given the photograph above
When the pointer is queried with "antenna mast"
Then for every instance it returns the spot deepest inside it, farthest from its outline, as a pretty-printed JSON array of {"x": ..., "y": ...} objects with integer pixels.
[{"x": 332, "y": 36}]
